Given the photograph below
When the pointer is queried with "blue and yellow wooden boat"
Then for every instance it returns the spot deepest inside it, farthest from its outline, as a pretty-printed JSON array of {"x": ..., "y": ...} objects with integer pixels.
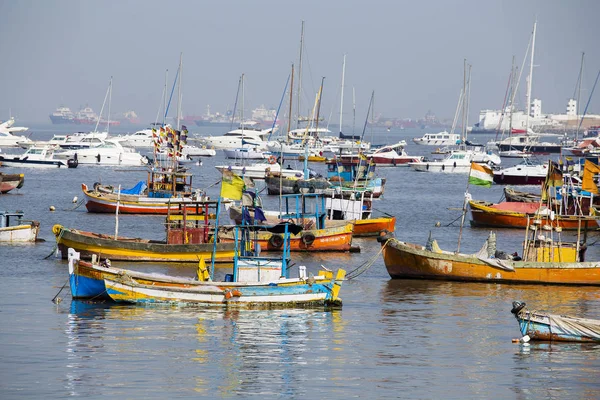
[{"x": 255, "y": 281}]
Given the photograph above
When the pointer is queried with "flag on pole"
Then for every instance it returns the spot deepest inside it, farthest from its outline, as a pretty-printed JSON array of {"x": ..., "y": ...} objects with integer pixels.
[
  {"x": 481, "y": 175},
  {"x": 232, "y": 186},
  {"x": 554, "y": 178},
  {"x": 589, "y": 171}
]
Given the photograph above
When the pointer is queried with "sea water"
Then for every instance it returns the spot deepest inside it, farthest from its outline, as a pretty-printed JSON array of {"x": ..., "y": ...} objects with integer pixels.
[{"x": 391, "y": 338}]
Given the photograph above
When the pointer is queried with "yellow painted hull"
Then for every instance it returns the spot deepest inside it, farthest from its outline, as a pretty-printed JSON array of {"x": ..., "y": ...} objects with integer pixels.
[{"x": 410, "y": 261}]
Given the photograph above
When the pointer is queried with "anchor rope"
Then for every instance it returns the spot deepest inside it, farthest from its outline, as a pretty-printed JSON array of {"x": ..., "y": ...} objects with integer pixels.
[{"x": 364, "y": 267}]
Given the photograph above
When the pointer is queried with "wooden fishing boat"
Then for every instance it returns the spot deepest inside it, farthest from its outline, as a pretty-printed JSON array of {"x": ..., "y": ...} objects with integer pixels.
[
  {"x": 188, "y": 237},
  {"x": 276, "y": 185},
  {"x": 13, "y": 228},
  {"x": 543, "y": 326},
  {"x": 335, "y": 238},
  {"x": 165, "y": 190},
  {"x": 543, "y": 262},
  {"x": 356, "y": 206},
  {"x": 134, "y": 249},
  {"x": 511, "y": 194},
  {"x": 509, "y": 214},
  {"x": 355, "y": 173},
  {"x": 373, "y": 226},
  {"x": 255, "y": 281},
  {"x": 311, "y": 231},
  {"x": 9, "y": 182}
]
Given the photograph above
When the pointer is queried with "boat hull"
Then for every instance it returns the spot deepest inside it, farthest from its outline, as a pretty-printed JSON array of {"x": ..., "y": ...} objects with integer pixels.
[
  {"x": 372, "y": 227},
  {"x": 93, "y": 281},
  {"x": 409, "y": 261},
  {"x": 440, "y": 167},
  {"x": 98, "y": 202},
  {"x": 329, "y": 239},
  {"x": 484, "y": 215},
  {"x": 20, "y": 233},
  {"x": 9, "y": 182},
  {"x": 555, "y": 328},
  {"x": 282, "y": 293},
  {"x": 130, "y": 249}
]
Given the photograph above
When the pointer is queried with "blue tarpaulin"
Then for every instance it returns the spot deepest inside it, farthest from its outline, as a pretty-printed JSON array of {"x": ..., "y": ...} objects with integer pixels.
[{"x": 137, "y": 189}]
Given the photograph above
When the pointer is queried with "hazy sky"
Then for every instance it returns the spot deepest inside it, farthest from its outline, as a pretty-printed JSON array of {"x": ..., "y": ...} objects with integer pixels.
[{"x": 409, "y": 52}]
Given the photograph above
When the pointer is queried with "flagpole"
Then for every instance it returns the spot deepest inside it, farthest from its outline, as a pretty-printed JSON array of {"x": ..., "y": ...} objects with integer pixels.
[{"x": 464, "y": 210}]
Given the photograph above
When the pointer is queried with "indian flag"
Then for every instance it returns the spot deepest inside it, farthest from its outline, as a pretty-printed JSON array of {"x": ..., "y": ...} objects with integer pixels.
[{"x": 481, "y": 175}]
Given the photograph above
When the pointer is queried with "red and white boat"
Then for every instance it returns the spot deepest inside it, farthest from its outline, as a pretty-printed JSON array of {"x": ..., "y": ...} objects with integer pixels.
[
  {"x": 9, "y": 182},
  {"x": 525, "y": 173},
  {"x": 163, "y": 191},
  {"x": 393, "y": 155}
]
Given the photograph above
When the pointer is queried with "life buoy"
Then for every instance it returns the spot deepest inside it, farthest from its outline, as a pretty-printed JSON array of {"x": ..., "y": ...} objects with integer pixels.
[
  {"x": 276, "y": 241},
  {"x": 308, "y": 238},
  {"x": 272, "y": 160},
  {"x": 296, "y": 188}
]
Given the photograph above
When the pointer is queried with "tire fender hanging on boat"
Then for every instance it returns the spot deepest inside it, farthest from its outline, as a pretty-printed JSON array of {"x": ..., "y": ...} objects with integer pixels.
[
  {"x": 308, "y": 238},
  {"x": 296, "y": 188},
  {"x": 276, "y": 241}
]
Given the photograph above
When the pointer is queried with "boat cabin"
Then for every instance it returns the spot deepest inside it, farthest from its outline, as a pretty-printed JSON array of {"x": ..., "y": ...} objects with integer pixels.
[
  {"x": 168, "y": 182},
  {"x": 190, "y": 223},
  {"x": 8, "y": 218},
  {"x": 350, "y": 170}
]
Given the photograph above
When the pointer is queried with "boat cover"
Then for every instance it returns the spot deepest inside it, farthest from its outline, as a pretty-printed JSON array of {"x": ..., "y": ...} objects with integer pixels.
[
  {"x": 137, "y": 189},
  {"x": 575, "y": 326}
]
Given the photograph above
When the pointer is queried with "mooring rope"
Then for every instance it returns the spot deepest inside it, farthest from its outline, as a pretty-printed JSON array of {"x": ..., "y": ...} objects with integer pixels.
[
  {"x": 364, "y": 267},
  {"x": 79, "y": 203}
]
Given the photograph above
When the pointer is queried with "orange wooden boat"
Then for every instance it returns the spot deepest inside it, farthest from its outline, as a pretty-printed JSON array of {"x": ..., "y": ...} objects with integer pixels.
[
  {"x": 509, "y": 214},
  {"x": 373, "y": 226},
  {"x": 337, "y": 238},
  {"x": 543, "y": 262}
]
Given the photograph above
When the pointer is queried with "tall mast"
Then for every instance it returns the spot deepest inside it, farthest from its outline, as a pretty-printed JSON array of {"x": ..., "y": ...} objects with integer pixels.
[
  {"x": 529, "y": 80},
  {"x": 109, "y": 103},
  {"x": 242, "y": 109},
  {"x": 179, "y": 91},
  {"x": 353, "y": 110},
  {"x": 165, "y": 99},
  {"x": 287, "y": 138},
  {"x": 512, "y": 89},
  {"x": 579, "y": 84},
  {"x": 342, "y": 93},
  {"x": 300, "y": 76},
  {"x": 464, "y": 108},
  {"x": 468, "y": 102}
]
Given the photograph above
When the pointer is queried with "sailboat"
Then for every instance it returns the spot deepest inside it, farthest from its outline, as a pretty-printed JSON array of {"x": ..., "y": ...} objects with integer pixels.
[{"x": 459, "y": 160}]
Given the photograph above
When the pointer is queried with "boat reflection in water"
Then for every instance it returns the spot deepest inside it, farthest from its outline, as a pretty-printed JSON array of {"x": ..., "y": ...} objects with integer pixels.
[{"x": 258, "y": 351}]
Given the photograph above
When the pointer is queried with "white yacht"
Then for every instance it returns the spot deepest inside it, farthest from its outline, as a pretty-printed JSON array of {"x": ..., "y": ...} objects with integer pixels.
[
  {"x": 83, "y": 140},
  {"x": 110, "y": 152},
  {"x": 7, "y": 137},
  {"x": 261, "y": 169},
  {"x": 458, "y": 162},
  {"x": 438, "y": 139},
  {"x": 141, "y": 139},
  {"x": 36, "y": 157},
  {"x": 246, "y": 134}
]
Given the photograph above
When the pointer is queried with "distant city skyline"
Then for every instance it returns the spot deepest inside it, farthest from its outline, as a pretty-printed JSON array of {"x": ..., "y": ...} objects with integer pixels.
[{"x": 63, "y": 52}]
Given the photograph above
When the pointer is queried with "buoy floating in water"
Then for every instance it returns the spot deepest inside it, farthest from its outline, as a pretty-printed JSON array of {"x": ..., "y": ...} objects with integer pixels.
[
  {"x": 52, "y": 208},
  {"x": 75, "y": 199}
]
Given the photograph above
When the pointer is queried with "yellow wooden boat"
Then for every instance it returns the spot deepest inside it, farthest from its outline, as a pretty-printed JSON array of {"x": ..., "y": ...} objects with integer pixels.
[{"x": 543, "y": 261}]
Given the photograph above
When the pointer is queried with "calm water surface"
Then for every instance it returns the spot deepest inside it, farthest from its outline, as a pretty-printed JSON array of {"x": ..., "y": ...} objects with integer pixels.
[{"x": 391, "y": 339}]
